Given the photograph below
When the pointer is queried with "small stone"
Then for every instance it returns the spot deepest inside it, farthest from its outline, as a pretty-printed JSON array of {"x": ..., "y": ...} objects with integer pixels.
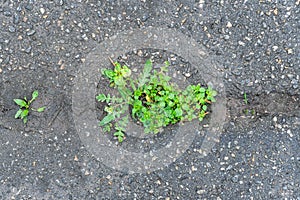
[
  {"x": 16, "y": 19},
  {"x": 194, "y": 168},
  {"x": 7, "y": 13},
  {"x": 274, "y": 48},
  {"x": 229, "y": 25},
  {"x": 235, "y": 179},
  {"x": 31, "y": 32},
  {"x": 28, "y": 50},
  {"x": 42, "y": 10},
  {"x": 275, "y": 119},
  {"x": 140, "y": 53},
  {"x": 187, "y": 74},
  {"x": 200, "y": 191},
  {"x": 12, "y": 29},
  {"x": 275, "y": 11},
  {"x": 145, "y": 17},
  {"x": 272, "y": 76},
  {"x": 241, "y": 43},
  {"x": 290, "y": 51},
  {"x": 1, "y": 70}
]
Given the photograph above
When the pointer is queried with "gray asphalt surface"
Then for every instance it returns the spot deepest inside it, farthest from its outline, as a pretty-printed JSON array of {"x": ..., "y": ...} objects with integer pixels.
[{"x": 43, "y": 44}]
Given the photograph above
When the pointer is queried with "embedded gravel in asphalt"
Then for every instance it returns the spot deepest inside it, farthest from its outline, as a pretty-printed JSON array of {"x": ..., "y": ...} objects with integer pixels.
[{"x": 256, "y": 45}]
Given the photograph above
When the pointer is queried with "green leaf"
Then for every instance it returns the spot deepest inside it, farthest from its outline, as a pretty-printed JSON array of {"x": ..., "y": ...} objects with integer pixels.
[
  {"x": 119, "y": 133},
  {"x": 178, "y": 112},
  {"x": 146, "y": 73},
  {"x": 25, "y": 120},
  {"x": 185, "y": 107},
  {"x": 20, "y": 102},
  {"x": 108, "y": 118},
  {"x": 213, "y": 99},
  {"x": 109, "y": 73},
  {"x": 101, "y": 97},
  {"x": 18, "y": 113},
  {"x": 214, "y": 93},
  {"x": 41, "y": 109},
  {"x": 35, "y": 94},
  {"x": 119, "y": 81},
  {"x": 24, "y": 113},
  {"x": 125, "y": 71},
  {"x": 204, "y": 107},
  {"x": 202, "y": 90},
  {"x": 117, "y": 67},
  {"x": 120, "y": 136},
  {"x": 147, "y": 67}
]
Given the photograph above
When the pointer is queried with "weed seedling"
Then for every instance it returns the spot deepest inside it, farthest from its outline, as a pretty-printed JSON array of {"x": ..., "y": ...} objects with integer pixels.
[
  {"x": 24, "y": 107},
  {"x": 245, "y": 98},
  {"x": 154, "y": 101}
]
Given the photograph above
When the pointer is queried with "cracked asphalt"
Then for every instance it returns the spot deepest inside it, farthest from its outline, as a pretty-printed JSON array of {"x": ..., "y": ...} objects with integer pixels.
[{"x": 43, "y": 45}]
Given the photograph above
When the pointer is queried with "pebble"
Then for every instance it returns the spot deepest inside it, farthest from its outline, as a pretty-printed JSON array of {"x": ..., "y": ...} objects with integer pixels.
[
  {"x": 12, "y": 29},
  {"x": 42, "y": 10},
  {"x": 290, "y": 51},
  {"x": 241, "y": 43},
  {"x": 200, "y": 191},
  {"x": 7, "y": 13},
  {"x": 31, "y": 32},
  {"x": 229, "y": 25},
  {"x": 274, "y": 48},
  {"x": 187, "y": 74},
  {"x": 1, "y": 70},
  {"x": 16, "y": 19},
  {"x": 235, "y": 179},
  {"x": 28, "y": 50}
]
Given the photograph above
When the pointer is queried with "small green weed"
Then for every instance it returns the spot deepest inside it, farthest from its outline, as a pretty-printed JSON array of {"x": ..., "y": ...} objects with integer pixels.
[
  {"x": 245, "y": 98},
  {"x": 24, "y": 107},
  {"x": 154, "y": 101}
]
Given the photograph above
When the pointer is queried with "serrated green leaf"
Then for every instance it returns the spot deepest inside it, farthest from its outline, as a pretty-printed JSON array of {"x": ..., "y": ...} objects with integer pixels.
[
  {"x": 146, "y": 73},
  {"x": 18, "y": 113},
  {"x": 20, "y": 102},
  {"x": 108, "y": 118},
  {"x": 101, "y": 97},
  {"x": 41, "y": 109}
]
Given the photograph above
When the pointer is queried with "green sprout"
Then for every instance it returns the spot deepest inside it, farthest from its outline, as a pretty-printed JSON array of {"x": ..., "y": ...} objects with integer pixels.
[{"x": 24, "y": 107}]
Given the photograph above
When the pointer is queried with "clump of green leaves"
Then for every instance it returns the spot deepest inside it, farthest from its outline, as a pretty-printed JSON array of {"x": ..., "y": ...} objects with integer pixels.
[
  {"x": 24, "y": 107},
  {"x": 155, "y": 102}
]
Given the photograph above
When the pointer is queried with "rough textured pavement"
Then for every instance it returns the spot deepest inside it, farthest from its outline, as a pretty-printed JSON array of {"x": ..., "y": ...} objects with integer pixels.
[{"x": 44, "y": 43}]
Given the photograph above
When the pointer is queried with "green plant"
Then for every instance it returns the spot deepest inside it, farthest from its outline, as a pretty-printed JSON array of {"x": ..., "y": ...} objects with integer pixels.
[
  {"x": 154, "y": 101},
  {"x": 245, "y": 98},
  {"x": 24, "y": 107}
]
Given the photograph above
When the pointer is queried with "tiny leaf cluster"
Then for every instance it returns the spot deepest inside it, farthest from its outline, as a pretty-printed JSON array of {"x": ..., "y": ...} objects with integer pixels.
[
  {"x": 151, "y": 99},
  {"x": 24, "y": 107}
]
